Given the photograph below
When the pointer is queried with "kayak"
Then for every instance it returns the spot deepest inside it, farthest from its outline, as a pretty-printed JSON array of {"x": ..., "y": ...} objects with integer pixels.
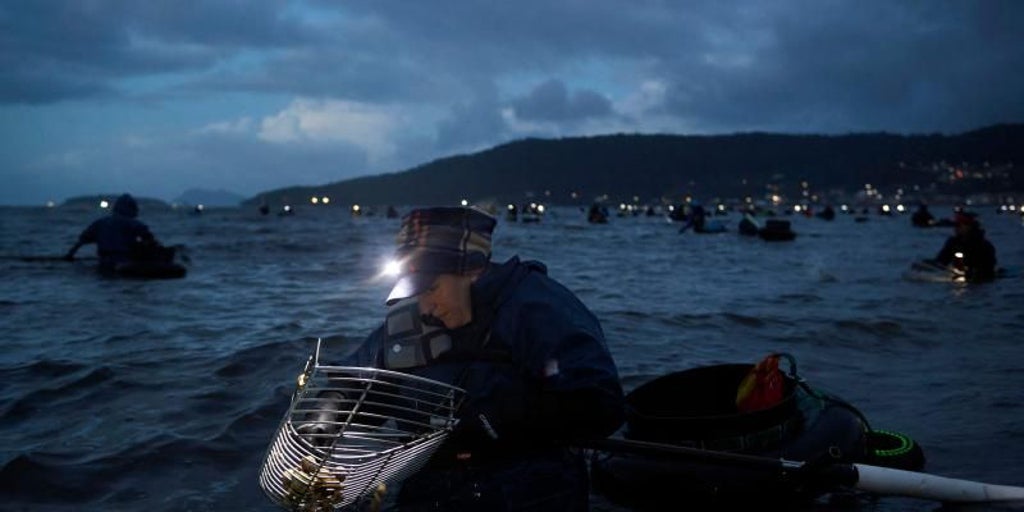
[{"x": 695, "y": 410}]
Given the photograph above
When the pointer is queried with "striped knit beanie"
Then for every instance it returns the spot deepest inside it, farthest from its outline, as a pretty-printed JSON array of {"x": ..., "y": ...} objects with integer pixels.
[{"x": 440, "y": 240}]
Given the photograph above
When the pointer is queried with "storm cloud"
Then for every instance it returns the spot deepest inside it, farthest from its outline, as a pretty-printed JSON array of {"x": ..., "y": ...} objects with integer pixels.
[{"x": 159, "y": 97}]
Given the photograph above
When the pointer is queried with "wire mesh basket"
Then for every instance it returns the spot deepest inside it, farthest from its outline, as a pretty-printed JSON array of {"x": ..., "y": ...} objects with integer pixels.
[{"x": 350, "y": 430}]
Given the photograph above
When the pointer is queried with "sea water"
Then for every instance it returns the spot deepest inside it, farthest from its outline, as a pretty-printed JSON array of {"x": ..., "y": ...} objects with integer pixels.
[{"x": 163, "y": 395}]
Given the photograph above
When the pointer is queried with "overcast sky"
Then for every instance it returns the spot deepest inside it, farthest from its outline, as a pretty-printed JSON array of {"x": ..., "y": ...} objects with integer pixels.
[{"x": 158, "y": 96}]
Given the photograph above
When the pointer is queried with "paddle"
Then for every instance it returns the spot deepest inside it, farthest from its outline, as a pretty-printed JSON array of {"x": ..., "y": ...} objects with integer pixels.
[{"x": 872, "y": 479}]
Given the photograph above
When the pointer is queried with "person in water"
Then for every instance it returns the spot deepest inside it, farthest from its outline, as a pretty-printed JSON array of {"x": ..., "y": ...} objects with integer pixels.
[
  {"x": 922, "y": 218},
  {"x": 748, "y": 225},
  {"x": 968, "y": 250},
  {"x": 531, "y": 356},
  {"x": 597, "y": 214},
  {"x": 121, "y": 238},
  {"x": 696, "y": 220}
]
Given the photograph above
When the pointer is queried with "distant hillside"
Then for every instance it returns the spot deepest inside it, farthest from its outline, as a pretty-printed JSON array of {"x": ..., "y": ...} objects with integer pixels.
[{"x": 668, "y": 167}]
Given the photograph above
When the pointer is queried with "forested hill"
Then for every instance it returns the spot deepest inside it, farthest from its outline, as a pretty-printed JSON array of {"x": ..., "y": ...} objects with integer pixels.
[{"x": 653, "y": 167}]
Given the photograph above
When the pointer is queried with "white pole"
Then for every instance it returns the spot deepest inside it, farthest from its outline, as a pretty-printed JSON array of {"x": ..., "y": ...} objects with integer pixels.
[{"x": 897, "y": 482}]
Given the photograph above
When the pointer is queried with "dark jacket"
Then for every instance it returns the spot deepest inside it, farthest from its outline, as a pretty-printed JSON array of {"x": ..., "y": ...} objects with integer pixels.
[
  {"x": 118, "y": 236},
  {"x": 979, "y": 255},
  {"x": 537, "y": 371}
]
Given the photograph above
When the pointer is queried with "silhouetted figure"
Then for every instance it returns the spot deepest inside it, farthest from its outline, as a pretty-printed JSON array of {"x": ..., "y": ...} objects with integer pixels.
[
  {"x": 597, "y": 214},
  {"x": 392, "y": 212},
  {"x": 828, "y": 213},
  {"x": 512, "y": 215},
  {"x": 677, "y": 213},
  {"x": 121, "y": 238},
  {"x": 531, "y": 212},
  {"x": 968, "y": 250},
  {"x": 748, "y": 225},
  {"x": 922, "y": 218},
  {"x": 696, "y": 219}
]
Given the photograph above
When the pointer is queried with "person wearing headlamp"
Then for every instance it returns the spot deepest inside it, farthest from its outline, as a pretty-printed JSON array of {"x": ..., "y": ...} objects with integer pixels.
[
  {"x": 967, "y": 250},
  {"x": 531, "y": 356}
]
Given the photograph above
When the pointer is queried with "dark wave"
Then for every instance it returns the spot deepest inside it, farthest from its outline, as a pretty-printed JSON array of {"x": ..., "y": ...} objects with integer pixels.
[
  {"x": 68, "y": 384},
  {"x": 881, "y": 328}
]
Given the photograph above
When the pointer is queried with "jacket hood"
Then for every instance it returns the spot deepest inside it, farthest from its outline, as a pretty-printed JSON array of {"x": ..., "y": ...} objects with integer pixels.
[{"x": 126, "y": 206}]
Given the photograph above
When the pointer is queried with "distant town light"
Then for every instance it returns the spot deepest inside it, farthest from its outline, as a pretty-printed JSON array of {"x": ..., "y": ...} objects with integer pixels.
[
  {"x": 104, "y": 204},
  {"x": 325, "y": 200},
  {"x": 314, "y": 200},
  {"x": 464, "y": 202},
  {"x": 50, "y": 204},
  {"x": 356, "y": 208},
  {"x": 900, "y": 208}
]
